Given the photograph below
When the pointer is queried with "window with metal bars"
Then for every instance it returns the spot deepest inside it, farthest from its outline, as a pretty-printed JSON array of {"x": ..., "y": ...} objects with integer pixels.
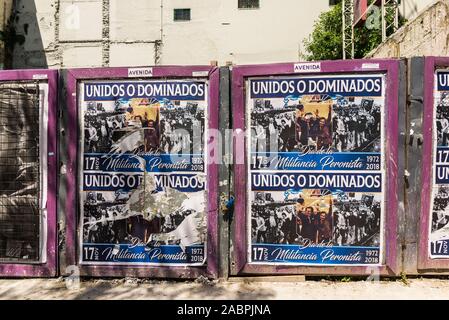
[
  {"x": 20, "y": 217},
  {"x": 248, "y": 4},
  {"x": 181, "y": 14}
]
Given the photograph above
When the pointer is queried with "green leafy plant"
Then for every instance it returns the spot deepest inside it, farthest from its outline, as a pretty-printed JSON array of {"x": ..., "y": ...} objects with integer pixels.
[{"x": 325, "y": 41}]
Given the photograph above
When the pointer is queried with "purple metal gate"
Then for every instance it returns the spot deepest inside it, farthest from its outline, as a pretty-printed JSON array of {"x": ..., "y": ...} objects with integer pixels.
[
  {"x": 28, "y": 158},
  {"x": 346, "y": 110},
  {"x": 433, "y": 250},
  {"x": 120, "y": 119}
]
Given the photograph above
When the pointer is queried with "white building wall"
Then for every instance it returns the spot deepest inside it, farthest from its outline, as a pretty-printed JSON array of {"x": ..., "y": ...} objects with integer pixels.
[
  {"x": 135, "y": 20},
  {"x": 220, "y": 31},
  {"x": 77, "y": 33},
  {"x": 411, "y": 8}
]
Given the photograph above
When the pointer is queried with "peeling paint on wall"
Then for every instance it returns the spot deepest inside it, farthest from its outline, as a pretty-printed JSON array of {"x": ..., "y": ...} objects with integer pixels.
[
  {"x": 427, "y": 34},
  {"x": 94, "y": 33},
  {"x": 62, "y": 34}
]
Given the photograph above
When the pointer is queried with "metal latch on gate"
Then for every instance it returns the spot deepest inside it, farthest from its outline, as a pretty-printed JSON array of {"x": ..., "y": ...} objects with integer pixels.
[{"x": 228, "y": 209}]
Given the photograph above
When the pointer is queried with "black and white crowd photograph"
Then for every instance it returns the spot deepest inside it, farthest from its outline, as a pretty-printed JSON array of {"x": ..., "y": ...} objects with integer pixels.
[
  {"x": 272, "y": 126},
  {"x": 442, "y": 119},
  {"x": 109, "y": 220},
  {"x": 273, "y": 220},
  {"x": 109, "y": 126},
  {"x": 440, "y": 210},
  {"x": 356, "y": 219},
  {"x": 104, "y": 218},
  {"x": 182, "y": 128},
  {"x": 356, "y": 125},
  {"x": 304, "y": 218},
  {"x": 316, "y": 217},
  {"x": 278, "y": 125},
  {"x": 316, "y": 123},
  {"x": 142, "y": 125},
  {"x": 102, "y": 127}
]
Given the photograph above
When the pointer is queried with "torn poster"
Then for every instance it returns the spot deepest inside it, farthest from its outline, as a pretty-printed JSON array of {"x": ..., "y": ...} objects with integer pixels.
[{"x": 143, "y": 172}]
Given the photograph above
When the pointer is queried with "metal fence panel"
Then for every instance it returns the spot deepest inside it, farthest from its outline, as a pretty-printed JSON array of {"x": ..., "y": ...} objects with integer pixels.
[
  {"x": 324, "y": 116},
  {"x": 145, "y": 205},
  {"x": 433, "y": 236},
  {"x": 28, "y": 173}
]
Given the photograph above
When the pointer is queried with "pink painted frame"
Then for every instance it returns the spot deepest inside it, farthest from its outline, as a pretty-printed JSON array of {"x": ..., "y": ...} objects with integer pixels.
[
  {"x": 211, "y": 269},
  {"x": 424, "y": 261},
  {"x": 49, "y": 268},
  {"x": 392, "y": 69}
]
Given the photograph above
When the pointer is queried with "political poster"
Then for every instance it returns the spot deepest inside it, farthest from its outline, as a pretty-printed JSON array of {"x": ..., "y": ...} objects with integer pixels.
[
  {"x": 316, "y": 169},
  {"x": 143, "y": 172},
  {"x": 439, "y": 227}
]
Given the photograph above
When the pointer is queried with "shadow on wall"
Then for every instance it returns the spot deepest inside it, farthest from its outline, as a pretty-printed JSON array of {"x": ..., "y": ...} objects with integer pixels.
[{"x": 23, "y": 41}]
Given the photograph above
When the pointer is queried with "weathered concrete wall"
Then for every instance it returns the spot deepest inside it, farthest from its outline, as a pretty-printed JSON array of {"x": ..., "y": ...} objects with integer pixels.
[
  {"x": 427, "y": 34},
  {"x": 88, "y": 33},
  {"x": 85, "y": 33}
]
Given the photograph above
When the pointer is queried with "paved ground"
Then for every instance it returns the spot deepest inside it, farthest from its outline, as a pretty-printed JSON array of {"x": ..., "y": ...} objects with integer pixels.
[{"x": 204, "y": 289}]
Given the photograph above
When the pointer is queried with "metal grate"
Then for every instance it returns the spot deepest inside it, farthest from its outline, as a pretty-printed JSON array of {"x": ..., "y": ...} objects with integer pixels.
[
  {"x": 248, "y": 4},
  {"x": 20, "y": 217},
  {"x": 181, "y": 15}
]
